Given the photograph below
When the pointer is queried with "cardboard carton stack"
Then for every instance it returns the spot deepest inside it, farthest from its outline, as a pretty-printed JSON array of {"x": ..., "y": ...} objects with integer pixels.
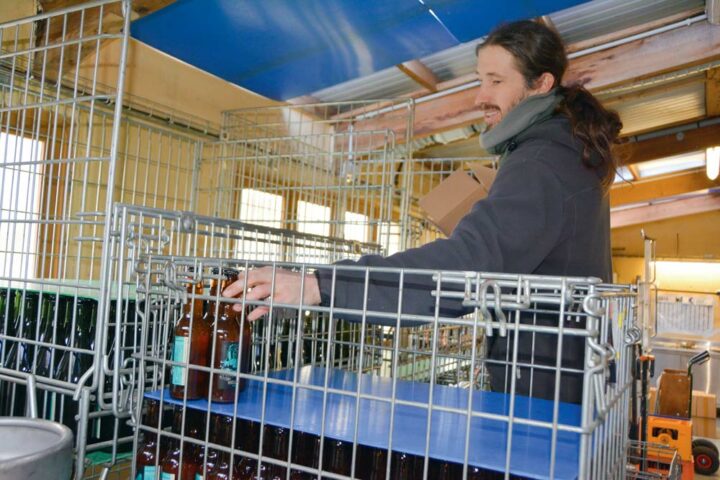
[{"x": 704, "y": 412}]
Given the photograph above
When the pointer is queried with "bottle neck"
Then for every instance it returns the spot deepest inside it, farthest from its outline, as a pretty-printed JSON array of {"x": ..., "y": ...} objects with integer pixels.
[
  {"x": 227, "y": 307},
  {"x": 194, "y": 307},
  {"x": 152, "y": 417}
]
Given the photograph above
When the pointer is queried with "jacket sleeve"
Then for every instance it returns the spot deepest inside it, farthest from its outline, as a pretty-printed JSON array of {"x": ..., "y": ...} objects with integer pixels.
[{"x": 510, "y": 231}]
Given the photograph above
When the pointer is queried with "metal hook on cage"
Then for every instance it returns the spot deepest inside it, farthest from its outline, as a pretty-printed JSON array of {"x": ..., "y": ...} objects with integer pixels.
[
  {"x": 169, "y": 279},
  {"x": 136, "y": 241},
  {"x": 598, "y": 349},
  {"x": 592, "y": 304},
  {"x": 633, "y": 335},
  {"x": 139, "y": 270},
  {"x": 610, "y": 352},
  {"x": 499, "y": 314},
  {"x": 186, "y": 223},
  {"x": 163, "y": 237}
]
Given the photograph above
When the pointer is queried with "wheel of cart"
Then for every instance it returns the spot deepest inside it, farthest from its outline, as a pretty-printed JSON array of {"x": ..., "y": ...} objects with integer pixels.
[
  {"x": 672, "y": 425},
  {"x": 705, "y": 455}
]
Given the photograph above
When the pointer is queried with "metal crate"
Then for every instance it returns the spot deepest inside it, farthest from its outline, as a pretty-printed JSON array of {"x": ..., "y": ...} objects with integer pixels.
[
  {"x": 145, "y": 239},
  {"x": 59, "y": 116},
  {"x": 352, "y": 397},
  {"x": 647, "y": 461},
  {"x": 337, "y": 173}
]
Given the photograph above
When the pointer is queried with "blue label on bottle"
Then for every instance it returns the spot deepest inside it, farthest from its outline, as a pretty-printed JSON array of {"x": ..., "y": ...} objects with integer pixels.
[
  {"x": 229, "y": 356},
  {"x": 181, "y": 354},
  {"x": 198, "y": 476},
  {"x": 167, "y": 476},
  {"x": 228, "y": 361},
  {"x": 147, "y": 473}
]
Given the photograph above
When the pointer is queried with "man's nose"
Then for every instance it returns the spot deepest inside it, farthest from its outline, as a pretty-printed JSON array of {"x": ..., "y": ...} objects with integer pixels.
[{"x": 480, "y": 97}]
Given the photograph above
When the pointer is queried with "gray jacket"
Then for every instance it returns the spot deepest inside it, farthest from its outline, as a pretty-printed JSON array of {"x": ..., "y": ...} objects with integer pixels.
[{"x": 546, "y": 213}]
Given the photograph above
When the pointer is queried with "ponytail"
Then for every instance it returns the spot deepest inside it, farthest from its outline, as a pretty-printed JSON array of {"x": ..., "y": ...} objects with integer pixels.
[{"x": 595, "y": 126}]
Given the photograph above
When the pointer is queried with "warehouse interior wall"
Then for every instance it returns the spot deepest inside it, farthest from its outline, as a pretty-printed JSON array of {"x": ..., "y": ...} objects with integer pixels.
[
  {"x": 154, "y": 78},
  {"x": 688, "y": 275}
]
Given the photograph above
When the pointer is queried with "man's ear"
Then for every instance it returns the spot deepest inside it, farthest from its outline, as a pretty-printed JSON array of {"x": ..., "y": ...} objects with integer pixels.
[{"x": 544, "y": 83}]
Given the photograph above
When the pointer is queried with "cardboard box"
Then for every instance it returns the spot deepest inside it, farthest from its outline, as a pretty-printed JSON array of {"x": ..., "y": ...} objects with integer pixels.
[
  {"x": 652, "y": 396},
  {"x": 704, "y": 404},
  {"x": 453, "y": 198},
  {"x": 674, "y": 393},
  {"x": 704, "y": 419},
  {"x": 704, "y": 427}
]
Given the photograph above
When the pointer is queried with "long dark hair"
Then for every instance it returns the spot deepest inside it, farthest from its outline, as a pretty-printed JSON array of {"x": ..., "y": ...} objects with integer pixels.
[{"x": 538, "y": 49}]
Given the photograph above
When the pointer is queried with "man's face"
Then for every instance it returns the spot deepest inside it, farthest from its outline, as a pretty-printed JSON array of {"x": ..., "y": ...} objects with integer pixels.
[{"x": 502, "y": 86}]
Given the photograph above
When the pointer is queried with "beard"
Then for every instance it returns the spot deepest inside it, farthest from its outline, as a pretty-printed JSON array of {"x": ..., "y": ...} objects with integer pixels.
[{"x": 492, "y": 107}]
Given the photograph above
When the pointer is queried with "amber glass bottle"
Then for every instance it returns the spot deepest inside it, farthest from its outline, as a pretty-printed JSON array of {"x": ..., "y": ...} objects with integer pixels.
[
  {"x": 338, "y": 456},
  {"x": 227, "y": 345},
  {"x": 219, "y": 460},
  {"x": 371, "y": 463},
  {"x": 191, "y": 346},
  {"x": 194, "y": 423},
  {"x": 405, "y": 467},
  {"x": 146, "y": 457}
]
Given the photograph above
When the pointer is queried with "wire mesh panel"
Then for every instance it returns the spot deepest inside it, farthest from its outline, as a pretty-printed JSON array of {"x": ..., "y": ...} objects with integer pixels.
[
  {"x": 301, "y": 398},
  {"x": 146, "y": 239},
  {"x": 324, "y": 169},
  {"x": 648, "y": 461},
  {"x": 58, "y": 147},
  {"x": 66, "y": 154}
]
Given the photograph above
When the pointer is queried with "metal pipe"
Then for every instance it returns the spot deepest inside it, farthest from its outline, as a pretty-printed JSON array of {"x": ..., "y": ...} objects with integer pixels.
[{"x": 587, "y": 51}]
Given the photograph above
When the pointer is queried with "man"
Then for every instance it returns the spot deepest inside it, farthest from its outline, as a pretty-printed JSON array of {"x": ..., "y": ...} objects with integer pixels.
[{"x": 546, "y": 213}]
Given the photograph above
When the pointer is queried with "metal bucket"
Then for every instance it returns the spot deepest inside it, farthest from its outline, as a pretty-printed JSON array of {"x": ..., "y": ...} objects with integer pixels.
[{"x": 34, "y": 449}]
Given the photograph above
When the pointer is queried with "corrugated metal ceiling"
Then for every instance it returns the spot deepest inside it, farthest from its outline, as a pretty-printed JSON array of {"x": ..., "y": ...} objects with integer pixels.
[
  {"x": 666, "y": 107},
  {"x": 601, "y": 17},
  {"x": 575, "y": 24}
]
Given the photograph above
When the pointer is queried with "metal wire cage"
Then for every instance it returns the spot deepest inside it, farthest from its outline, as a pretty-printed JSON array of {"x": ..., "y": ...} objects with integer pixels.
[
  {"x": 143, "y": 238},
  {"x": 325, "y": 390},
  {"x": 58, "y": 151},
  {"x": 652, "y": 461},
  {"x": 335, "y": 170}
]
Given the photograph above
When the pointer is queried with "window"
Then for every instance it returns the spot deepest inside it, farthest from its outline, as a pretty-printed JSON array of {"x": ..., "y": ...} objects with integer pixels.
[
  {"x": 265, "y": 209},
  {"x": 623, "y": 174},
  {"x": 313, "y": 218},
  {"x": 20, "y": 182},
  {"x": 261, "y": 208},
  {"x": 674, "y": 164},
  {"x": 390, "y": 237},
  {"x": 356, "y": 227}
]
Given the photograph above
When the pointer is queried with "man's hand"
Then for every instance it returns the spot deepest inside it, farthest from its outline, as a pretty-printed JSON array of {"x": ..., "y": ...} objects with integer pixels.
[{"x": 257, "y": 285}]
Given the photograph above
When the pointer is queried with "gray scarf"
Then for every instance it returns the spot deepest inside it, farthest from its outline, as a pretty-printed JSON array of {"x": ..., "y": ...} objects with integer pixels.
[{"x": 527, "y": 113}]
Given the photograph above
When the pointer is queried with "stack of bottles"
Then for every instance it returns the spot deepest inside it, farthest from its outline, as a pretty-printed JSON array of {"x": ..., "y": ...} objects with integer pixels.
[
  {"x": 185, "y": 443},
  {"x": 44, "y": 333},
  {"x": 190, "y": 454},
  {"x": 210, "y": 336}
]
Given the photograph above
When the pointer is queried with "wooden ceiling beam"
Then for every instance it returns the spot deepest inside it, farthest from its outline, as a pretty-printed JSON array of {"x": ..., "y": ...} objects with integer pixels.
[
  {"x": 685, "y": 141},
  {"x": 712, "y": 92},
  {"x": 644, "y": 58},
  {"x": 624, "y": 193},
  {"x": 664, "y": 210},
  {"x": 420, "y": 73},
  {"x": 693, "y": 45}
]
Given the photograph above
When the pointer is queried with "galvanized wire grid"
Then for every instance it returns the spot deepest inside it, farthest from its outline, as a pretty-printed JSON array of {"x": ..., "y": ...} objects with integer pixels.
[{"x": 298, "y": 336}]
